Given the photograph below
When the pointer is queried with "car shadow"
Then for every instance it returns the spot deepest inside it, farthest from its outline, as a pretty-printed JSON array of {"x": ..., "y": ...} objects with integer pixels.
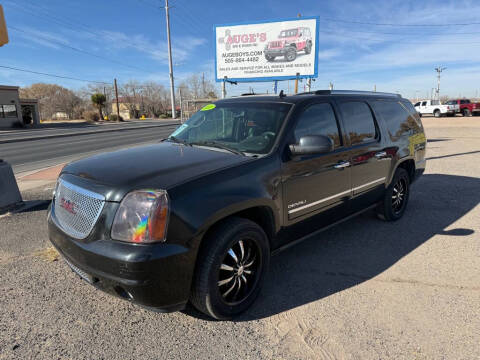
[{"x": 362, "y": 248}]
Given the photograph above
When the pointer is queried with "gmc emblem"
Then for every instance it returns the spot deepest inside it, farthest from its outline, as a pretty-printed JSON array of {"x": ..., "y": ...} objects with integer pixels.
[{"x": 68, "y": 205}]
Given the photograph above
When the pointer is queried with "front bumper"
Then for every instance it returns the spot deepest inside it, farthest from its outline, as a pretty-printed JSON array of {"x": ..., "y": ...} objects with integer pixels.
[
  {"x": 156, "y": 276},
  {"x": 275, "y": 52}
]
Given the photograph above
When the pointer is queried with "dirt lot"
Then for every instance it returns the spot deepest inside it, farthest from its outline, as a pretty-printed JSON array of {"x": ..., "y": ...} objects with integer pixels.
[{"x": 363, "y": 290}]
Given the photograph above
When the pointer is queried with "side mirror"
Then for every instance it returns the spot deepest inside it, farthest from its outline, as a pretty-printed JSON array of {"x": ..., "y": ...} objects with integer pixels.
[{"x": 312, "y": 144}]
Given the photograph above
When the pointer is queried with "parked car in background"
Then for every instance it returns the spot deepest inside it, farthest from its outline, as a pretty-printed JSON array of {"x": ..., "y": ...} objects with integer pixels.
[
  {"x": 289, "y": 42},
  {"x": 465, "y": 106},
  {"x": 435, "y": 108},
  {"x": 196, "y": 217}
]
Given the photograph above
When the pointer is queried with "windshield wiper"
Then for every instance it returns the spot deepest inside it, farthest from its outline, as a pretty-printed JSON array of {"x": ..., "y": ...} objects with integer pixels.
[
  {"x": 218, "y": 145},
  {"x": 177, "y": 140}
]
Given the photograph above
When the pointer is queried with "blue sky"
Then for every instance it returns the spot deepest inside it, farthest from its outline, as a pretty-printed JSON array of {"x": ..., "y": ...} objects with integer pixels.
[{"x": 126, "y": 39}]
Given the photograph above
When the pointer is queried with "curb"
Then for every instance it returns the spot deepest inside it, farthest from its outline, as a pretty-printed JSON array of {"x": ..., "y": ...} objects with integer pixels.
[{"x": 83, "y": 133}]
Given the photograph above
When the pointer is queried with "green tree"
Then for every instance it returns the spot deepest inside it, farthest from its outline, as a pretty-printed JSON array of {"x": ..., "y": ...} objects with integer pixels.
[{"x": 98, "y": 101}]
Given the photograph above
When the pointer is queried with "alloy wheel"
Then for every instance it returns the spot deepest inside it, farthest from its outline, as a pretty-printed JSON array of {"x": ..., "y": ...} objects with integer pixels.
[
  {"x": 398, "y": 195},
  {"x": 239, "y": 271}
]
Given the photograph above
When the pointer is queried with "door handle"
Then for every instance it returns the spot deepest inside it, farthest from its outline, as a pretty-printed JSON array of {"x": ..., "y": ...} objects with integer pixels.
[
  {"x": 342, "y": 164},
  {"x": 381, "y": 154}
]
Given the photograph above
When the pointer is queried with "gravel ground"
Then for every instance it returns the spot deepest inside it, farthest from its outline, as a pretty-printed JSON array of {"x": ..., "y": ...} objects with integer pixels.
[{"x": 363, "y": 290}]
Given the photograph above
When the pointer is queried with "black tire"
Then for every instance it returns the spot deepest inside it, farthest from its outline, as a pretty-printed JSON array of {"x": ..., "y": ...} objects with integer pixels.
[
  {"x": 437, "y": 113},
  {"x": 308, "y": 48},
  {"x": 214, "y": 261},
  {"x": 291, "y": 54},
  {"x": 466, "y": 112},
  {"x": 269, "y": 57},
  {"x": 390, "y": 209}
]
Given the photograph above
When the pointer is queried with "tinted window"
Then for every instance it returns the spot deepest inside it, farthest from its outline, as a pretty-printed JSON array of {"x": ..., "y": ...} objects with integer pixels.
[
  {"x": 247, "y": 127},
  {"x": 318, "y": 119},
  {"x": 417, "y": 104},
  {"x": 399, "y": 122},
  {"x": 359, "y": 122},
  {"x": 424, "y": 103},
  {"x": 451, "y": 102}
]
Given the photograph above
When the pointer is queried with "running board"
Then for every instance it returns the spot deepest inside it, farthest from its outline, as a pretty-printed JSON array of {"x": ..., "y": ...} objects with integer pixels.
[{"x": 316, "y": 232}]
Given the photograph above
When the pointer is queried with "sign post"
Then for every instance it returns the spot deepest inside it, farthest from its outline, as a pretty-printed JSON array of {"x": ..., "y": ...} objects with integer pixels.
[
  {"x": 3, "y": 28},
  {"x": 265, "y": 51}
]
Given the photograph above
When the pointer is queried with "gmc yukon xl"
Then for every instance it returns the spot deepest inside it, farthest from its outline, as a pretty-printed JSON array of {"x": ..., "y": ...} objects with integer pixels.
[{"x": 196, "y": 217}]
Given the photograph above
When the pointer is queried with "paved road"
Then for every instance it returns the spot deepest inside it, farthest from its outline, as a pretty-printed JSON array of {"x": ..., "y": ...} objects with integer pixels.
[
  {"x": 56, "y": 129},
  {"x": 364, "y": 290},
  {"x": 37, "y": 153}
]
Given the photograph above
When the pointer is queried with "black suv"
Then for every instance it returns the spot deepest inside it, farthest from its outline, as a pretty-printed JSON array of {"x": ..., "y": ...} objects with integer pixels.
[{"x": 197, "y": 216}]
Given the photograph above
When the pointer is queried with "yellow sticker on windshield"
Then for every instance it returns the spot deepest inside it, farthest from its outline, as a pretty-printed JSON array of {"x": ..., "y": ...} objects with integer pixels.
[{"x": 208, "y": 107}]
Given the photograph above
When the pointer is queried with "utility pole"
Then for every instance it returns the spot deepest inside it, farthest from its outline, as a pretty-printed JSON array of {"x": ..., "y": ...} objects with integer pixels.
[
  {"x": 309, "y": 84},
  {"x": 181, "y": 105},
  {"x": 224, "y": 88},
  {"x": 374, "y": 87},
  {"x": 106, "y": 100},
  {"x": 439, "y": 71},
  {"x": 170, "y": 65},
  {"x": 116, "y": 99},
  {"x": 203, "y": 85},
  {"x": 330, "y": 86},
  {"x": 296, "y": 83}
]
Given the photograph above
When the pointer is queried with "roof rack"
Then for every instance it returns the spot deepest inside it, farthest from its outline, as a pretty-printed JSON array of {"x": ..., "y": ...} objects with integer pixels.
[{"x": 350, "y": 92}]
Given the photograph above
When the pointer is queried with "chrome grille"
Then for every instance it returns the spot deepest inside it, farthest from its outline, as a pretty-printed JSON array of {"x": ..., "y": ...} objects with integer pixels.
[
  {"x": 275, "y": 44},
  {"x": 76, "y": 209}
]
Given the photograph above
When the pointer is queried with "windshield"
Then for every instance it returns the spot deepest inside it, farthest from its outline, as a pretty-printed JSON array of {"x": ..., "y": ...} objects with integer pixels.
[
  {"x": 240, "y": 127},
  {"x": 288, "y": 33}
]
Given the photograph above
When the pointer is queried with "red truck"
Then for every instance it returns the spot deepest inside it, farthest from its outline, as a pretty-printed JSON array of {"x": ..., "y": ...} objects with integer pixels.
[
  {"x": 289, "y": 42},
  {"x": 465, "y": 107}
]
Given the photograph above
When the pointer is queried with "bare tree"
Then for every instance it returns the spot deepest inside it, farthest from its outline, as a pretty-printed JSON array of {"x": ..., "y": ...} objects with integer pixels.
[{"x": 53, "y": 98}]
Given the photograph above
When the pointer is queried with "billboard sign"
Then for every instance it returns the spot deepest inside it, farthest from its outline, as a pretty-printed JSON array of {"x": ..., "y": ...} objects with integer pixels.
[{"x": 269, "y": 50}]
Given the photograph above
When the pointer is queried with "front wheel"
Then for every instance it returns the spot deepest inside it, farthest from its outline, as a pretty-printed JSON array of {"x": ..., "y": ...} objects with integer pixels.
[
  {"x": 291, "y": 54},
  {"x": 269, "y": 57},
  {"x": 396, "y": 196},
  {"x": 231, "y": 268}
]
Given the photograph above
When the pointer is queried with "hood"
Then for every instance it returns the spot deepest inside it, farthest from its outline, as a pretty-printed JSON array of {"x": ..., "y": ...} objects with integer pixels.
[{"x": 160, "y": 166}]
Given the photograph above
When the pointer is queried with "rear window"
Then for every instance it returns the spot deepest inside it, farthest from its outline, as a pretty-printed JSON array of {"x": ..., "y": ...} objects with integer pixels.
[
  {"x": 359, "y": 122},
  {"x": 398, "y": 120}
]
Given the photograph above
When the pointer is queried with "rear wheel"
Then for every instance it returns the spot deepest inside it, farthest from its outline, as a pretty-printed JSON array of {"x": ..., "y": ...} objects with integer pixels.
[
  {"x": 466, "y": 112},
  {"x": 437, "y": 113},
  {"x": 396, "y": 197},
  {"x": 308, "y": 48},
  {"x": 232, "y": 265}
]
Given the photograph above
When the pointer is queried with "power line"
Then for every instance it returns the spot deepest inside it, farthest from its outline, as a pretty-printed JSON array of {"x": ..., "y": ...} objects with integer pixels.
[
  {"x": 406, "y": 34},
  {"x": 53, "y": 75},
  {"x": 397, "y": 41},
  {"x": 71, "y": 24},
  {"x": 55, "y": 41},
  {"x": 391, "y": 24}
]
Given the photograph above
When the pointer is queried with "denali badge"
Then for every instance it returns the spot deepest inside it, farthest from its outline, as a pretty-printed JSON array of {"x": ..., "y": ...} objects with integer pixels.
[
  {"x": 68, "y": 205},
  {"x": 298, "y": 203}
]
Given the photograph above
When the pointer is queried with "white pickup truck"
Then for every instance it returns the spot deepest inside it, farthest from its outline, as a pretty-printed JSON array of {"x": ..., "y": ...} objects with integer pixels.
[{"x": 435, "y": 107}]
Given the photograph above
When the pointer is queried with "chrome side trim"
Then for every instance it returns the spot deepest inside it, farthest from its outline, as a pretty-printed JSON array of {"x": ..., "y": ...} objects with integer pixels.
[
  {"x": 319, "y": 201},
  {"x": 335, "y": 196},
  {"x": 369, "y": 183}
]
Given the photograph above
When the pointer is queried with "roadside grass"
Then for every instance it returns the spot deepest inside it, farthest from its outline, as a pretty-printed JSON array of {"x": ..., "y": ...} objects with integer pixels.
[{"x": 49, "y": 254}]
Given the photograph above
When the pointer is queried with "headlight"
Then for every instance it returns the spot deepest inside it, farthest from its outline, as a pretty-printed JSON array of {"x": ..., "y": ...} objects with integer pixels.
[{"x": 142, "y": 217}]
